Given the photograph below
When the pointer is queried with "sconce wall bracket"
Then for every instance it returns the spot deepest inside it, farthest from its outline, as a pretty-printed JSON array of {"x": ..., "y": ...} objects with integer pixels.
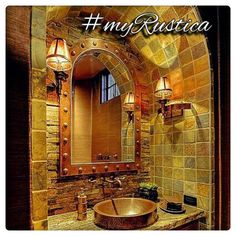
[
  {"x": 59, "y": 77},
  {"x": 130, "y": 116}
]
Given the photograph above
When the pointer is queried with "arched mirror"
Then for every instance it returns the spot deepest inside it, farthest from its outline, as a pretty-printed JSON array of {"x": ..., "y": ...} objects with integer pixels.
[
  {"x": 100, "y": 113},
  {"x": 102, "y": 131}
]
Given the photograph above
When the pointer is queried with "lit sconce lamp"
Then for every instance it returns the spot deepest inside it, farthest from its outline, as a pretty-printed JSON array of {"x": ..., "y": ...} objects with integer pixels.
[
  {"x": 129, "y": 105},
  {"x": 163, "y": 91},
  {"x": 58, "y": 59}
]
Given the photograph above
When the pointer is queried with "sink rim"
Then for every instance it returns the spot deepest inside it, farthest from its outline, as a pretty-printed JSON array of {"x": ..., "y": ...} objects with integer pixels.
[{"x": 152, "y": 209}]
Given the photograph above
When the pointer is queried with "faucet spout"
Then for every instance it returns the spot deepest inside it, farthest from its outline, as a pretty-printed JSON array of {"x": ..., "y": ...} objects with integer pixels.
[{"x": 118, "y": 181}]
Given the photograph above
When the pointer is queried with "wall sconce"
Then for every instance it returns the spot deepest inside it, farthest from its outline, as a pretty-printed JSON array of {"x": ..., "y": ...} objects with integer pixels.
[
  {"x": 129, "y": 105},
  {"x": 163, "y": 91},
  {"x": 58, "y": 59}
]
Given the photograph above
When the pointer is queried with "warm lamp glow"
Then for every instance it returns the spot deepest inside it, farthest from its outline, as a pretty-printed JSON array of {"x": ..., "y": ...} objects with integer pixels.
[
  {"x": 129, "y": 102},
  {"x": 58, "y": 57},
  {"x": 163, "y": 89}
]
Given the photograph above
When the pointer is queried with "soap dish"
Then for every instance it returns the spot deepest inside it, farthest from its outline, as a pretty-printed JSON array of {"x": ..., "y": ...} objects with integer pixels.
[{"x": 163, "y": 206}]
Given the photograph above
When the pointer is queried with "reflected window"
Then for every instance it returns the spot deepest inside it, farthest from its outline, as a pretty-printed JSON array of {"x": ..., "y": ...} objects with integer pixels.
[{"x": 109, "y": 88}]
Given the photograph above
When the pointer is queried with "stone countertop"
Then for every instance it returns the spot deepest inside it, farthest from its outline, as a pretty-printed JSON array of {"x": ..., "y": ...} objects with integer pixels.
[{"x": 166, "y": 221}]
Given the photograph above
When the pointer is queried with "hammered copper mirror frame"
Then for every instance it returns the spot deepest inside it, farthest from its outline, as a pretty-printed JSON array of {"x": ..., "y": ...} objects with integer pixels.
[{"x": 66, "y": 168}]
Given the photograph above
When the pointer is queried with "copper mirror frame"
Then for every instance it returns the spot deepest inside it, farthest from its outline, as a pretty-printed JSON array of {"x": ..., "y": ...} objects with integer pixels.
[{"x": 66, "y": 168}]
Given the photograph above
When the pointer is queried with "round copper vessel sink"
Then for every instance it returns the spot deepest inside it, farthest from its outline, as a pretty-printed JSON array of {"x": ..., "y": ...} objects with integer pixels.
[{"x": 125, "y": 213}]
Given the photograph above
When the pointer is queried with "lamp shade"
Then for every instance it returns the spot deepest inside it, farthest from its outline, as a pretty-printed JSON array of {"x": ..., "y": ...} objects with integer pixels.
[
  {"x": 129, "y": 102},
  {"x": 58, "y": 57},
  {"x": 163, "y": 89}
]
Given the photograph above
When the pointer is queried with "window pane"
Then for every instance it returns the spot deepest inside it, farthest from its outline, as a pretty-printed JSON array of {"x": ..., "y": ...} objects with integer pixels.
[
  {"x": 111, "y": 80},
  {"x": 109, "y": 88}
]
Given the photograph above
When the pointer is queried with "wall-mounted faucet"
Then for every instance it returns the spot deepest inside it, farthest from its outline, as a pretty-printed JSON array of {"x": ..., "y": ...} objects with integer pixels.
[{"x": 115, "y": 183}]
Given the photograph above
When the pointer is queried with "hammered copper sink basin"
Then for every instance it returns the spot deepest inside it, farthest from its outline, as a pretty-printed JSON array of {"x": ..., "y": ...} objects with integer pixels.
[{"x": 125, "y": 213}]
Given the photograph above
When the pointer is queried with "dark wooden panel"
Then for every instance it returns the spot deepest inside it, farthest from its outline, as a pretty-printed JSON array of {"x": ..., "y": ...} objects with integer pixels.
[
  {"x": 17, "y": 118},
  {"x": 219, "y": 45},
  {"x": 193, "y": 225}
]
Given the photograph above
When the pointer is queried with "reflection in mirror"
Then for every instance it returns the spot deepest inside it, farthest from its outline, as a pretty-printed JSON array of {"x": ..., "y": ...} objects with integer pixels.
[{"x": 102, "y": 130}]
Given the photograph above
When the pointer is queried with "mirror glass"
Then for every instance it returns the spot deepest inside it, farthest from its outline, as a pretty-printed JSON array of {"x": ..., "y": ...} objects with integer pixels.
[{"x": 102, "y": 130}]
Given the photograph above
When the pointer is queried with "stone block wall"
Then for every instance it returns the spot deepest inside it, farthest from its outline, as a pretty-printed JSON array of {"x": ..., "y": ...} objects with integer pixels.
[
  {"x": 62, "y": 193},
  {"x": 39, "y": 207}
]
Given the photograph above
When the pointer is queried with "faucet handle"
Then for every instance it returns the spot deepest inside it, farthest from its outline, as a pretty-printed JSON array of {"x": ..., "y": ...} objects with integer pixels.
[
  {"x": 121, "y": 178},
  {"x": 92, "y": 180}
]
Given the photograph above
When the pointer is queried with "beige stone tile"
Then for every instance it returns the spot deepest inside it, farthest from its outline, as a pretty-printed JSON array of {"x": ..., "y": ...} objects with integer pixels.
[
  {"x": 159, "y": 149},
  {"x": 39, "y": 176},
  {"x": 167, "y": 183},
  {"x": 177, "y": 149},
  {"x": 203, "y": 176},
  {"x": 39, "y": 146},
  {"x": 40, "y": 225},
  {"x": 202, "y": 107},
  {"x": 189, "y": 96},
  {"x": 203, "y": 93},
  {"x": 177, "y": 137},
  {"x": 178, "y": 186},
  {"x": 38, "y": 115},
  {"x": 189, "y": 136},
  {"x": 168, "y": 149},
  {"x": 178, "y": 161},
  {"x": 190, "y": 162},
  {"x": 189, "y": 149},
  {"x": 190, "y": 188},
  {"x": 167, "y": 138},
  {"x": 159, "y": 56},
  {"x": 203, "y": 162},
  {"x": 177, "y": 90},
  {"x": 159, "y": 171},
  {"x": 198, "y": 50},
  {"x": 38, "y": 53},
  {"x": 203, "y": 135},
  {"x": 182, "y": 10},
  {"x": 201, "y": 64},
  {"x": 169, "y": 14},
  {"x": 158, "y": 139},
  {"x": 39, "y": 205},
  {"x": 203, "y": 78},
  {"x": 167, "y": 192},
  {"x": 38, "y": 84},
  {"x": 139, "y": 42},
  {"x": 202, "y": 121},
  {"x": 158, "y": 181},
  {"x": 187, "y": 70},
  {"x": 178, "y": 173},
  {"x": 158, "y": 160},
  {"x": 202, "y": 149},
  {"x": 167, "y": 161},
  {"x": 203, "y": 189},
  {"x": 189, "y": 123},
  {"x": 190, "y": 175},
  {"x": 38, "y": 23},
  {"x": 189, "y": 84},
  {"x": 203, "y": 203},
  {"x": 167, "y": 172},
  {"x": 185, "y": 57},
  {"x": 170, "y": 51},
  {"x": 183, "y": 43},
  {"x": 178, "y": 126}
]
